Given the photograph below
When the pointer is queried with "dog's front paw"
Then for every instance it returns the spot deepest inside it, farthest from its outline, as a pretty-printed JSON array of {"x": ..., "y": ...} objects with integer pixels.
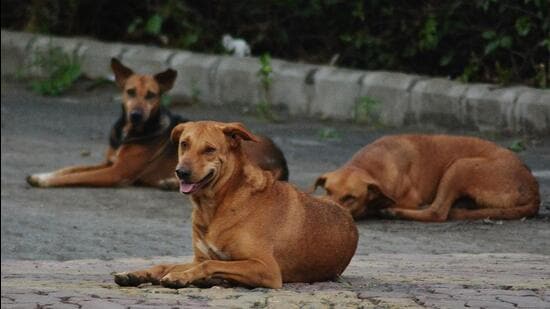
[
  {"x": 388, "y": 213},
  {"x": 39, "y": 180},
  {"x": 175, "y": 280},
  {"x": 127, "y": 279}
]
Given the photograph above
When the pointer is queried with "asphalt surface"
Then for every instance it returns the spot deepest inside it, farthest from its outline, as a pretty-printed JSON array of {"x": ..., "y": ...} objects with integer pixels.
[{"x": 42, "y": 134}]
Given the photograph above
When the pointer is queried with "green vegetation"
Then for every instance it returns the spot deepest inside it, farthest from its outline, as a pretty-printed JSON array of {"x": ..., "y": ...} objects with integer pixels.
[
  {"x": 328, "y": 134},
  {"x": 166, "y": 100},
  {"x": 506, "y": 41},
  {"x": 366, "y": 111},
  {"x": 263, "y": 107},
  {"x": 58, "y": 71},
  {"x": 517, "y": 146}
]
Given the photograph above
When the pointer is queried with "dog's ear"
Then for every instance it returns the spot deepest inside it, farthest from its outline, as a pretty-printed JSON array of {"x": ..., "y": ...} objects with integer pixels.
[
  {"x": 176, "y": 133},
  {"x": 122, "y": 73},
  {"x": 166, "y": 79},
  {"x": 237, "y": 132},
  {"x": 320, "y": 182}
]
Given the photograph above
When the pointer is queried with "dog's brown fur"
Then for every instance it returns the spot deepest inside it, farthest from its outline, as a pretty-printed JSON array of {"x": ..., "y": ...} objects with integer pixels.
[
  {"x": 249, "y": 228},
  {"x": 140, "y": 150},
  {"x": 455, "y": 177}
]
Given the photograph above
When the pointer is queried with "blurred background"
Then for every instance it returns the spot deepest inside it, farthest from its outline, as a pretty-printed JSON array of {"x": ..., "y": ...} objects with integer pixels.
[{"x": 504, "y": 42}]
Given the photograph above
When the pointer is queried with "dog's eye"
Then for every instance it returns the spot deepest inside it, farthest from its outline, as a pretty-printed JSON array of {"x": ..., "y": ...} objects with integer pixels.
[
  {"x": 150, "y": 95},
  {"x": 131, "y": 92},
  {"x": 184, "y": 145},
  {"x": 329, "y": 192},
  {"x": 348, "y": 199},
  {"x": 209, "y": 150}
]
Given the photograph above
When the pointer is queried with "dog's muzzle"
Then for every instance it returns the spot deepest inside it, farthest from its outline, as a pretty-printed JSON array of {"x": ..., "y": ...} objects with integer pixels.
[
  {"x": 136, "y": 116},
  {"x": 183, "y": 174}
]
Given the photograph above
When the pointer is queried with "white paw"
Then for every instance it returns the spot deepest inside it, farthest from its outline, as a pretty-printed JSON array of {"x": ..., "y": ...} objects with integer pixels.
[{"x": 39, "y": 180}]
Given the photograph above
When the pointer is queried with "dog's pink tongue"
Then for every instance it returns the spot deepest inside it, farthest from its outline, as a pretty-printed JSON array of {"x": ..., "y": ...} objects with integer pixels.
[{"x": 187, "y": 188}]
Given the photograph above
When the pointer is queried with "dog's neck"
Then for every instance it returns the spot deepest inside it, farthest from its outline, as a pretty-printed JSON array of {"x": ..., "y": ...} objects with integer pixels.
[
  {"x": 152, "y": 124},
  {"x": 123, "y": 131},
  {"x": 237, "y": 180}
]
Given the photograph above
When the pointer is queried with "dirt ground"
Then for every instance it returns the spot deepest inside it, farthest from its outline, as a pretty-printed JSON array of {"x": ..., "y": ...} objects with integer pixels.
[{"x": 41, "y": 134}]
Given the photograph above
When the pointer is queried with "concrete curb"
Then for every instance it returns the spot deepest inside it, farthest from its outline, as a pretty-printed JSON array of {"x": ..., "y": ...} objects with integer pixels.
[{"x": 310, "y": 90}]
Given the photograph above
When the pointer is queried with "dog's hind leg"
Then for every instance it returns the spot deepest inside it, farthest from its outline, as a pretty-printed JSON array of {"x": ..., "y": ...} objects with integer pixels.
[
  {"x": 37, "y": 179},
  {"x": 149, "y": 275},
  {"x": 498, "y": 187},
  {"x": 80, "y": 168},
  {"x": 453, "y": 184},
  {"x": 517, "y": 212}
]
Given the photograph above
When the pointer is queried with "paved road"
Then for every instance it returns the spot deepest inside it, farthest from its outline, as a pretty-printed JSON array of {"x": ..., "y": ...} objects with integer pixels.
[
  {"x": 398, "y": 264},
  {"x": 41, "y": 134},
  {"x": 373, "y": 281}
]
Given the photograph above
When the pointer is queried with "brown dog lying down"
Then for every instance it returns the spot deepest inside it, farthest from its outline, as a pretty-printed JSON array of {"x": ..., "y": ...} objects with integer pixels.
[
  {"x": 434, "y": 178},
  {"x": 249, "y": 228},
  {"x": 140, "y": 150}
]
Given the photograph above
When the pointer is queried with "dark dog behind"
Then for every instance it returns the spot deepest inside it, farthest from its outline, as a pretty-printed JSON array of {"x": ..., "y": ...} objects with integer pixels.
[{"x": 140, "y": 151}]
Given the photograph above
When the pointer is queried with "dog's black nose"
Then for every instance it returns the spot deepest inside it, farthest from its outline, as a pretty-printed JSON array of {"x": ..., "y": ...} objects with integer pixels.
[
  {"x": 183, "y": 173},
  {"x": 136, "y": 116}
]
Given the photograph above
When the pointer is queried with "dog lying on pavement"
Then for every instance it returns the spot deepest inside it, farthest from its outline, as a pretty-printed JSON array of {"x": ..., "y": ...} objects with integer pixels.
[
  {"x": 434, "y": 178},
  {"x": 140, "y": 151},
  {"x": 249, "y": 228}
]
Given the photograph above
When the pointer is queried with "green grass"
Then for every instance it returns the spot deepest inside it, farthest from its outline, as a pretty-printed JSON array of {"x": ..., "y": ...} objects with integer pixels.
[
  {"x": 263, "y": 108},
  {"x": 517, "y": 146},
  {"x": 58, "y": 71},
  {"x": 366, "y": 111},
  {"x": 328, "y": 134}
]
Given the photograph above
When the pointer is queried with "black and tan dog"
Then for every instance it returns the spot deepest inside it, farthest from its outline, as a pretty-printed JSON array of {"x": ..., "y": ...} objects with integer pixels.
[
  {"x": 248, "y": 227},
  {"x": 434, "y": 178},
  {"x": 140, "y": 151}
]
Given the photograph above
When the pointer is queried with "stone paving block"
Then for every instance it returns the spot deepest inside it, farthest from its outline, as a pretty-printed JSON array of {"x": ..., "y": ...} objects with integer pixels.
[
  {"x": 43, "y": 44},
  {"x": 18, "y": 306},
  {"x": 488, "y": 304},
  {"x": 196, "y": 77},
  {"x": 96, "y": 57},
  {"x": 290, "y": 86},
  {"x": 147, "y": 60},
  {"x": 15, "y": 49},
  {"x": 392, "y": 90},
  {"x": 237, "y": 81},
  {"x": 401, "y": 303},
  {"x": 64, "y": 306},
  {"x": 336, "y": 92},
  {"x": 524, "y": 301},
  {"x": 98, "y": 303},
  {"x": 439, "y": 101},
  {"x": 491, "y": 107},
  {"x": 447, "y": 304},
  {"x": 533, "y": 111}
]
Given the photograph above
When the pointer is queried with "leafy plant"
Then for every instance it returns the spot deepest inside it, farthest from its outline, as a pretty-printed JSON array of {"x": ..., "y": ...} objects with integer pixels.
[
  {"x": 264, "y": 106},
  {"x": 517, "y": 146},
  {"x": 57, "y": 69},
  {"x": 166, "y": 100},
  {"x": 367, "y": 111},
  {"x": 455, "y": 38},
  {"x": 328, "y": 134}
]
